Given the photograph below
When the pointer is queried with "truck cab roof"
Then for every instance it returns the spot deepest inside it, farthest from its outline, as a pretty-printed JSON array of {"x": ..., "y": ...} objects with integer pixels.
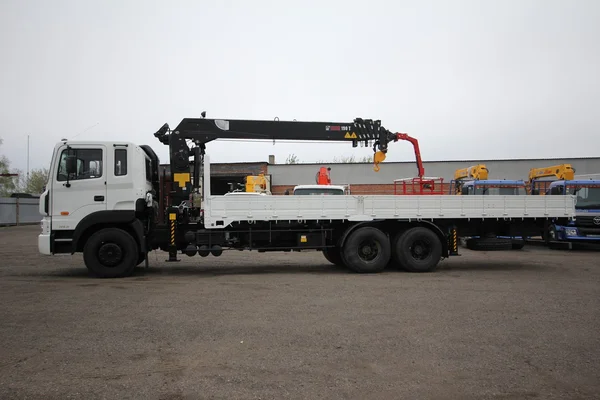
[
  {"x": 494, "y": 182},
  {"x": 319, "y": 189},
  {"x": 577, "y": 182},
  {"x": 247, "y": 194},
  {"x": 94, "y": 143}
]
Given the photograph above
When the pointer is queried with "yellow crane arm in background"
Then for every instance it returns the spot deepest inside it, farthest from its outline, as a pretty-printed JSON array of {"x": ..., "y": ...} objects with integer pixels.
[
  {"x": 257, "y": 183},
  {"x": 560, "y": 172},
  {"x": 478, "y": 172}
]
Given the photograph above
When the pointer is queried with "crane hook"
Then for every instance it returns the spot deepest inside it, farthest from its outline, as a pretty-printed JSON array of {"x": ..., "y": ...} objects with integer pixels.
[{"x": 378, "y": 157}]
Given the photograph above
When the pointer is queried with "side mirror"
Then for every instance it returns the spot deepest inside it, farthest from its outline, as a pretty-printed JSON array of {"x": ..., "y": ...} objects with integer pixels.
[{"x": 71, "y": 164}]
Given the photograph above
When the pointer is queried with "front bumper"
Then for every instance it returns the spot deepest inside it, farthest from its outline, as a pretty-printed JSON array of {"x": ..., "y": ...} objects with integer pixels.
[
  {"x": 575, "y": 233},
  {"x": 44, "y": 237}
]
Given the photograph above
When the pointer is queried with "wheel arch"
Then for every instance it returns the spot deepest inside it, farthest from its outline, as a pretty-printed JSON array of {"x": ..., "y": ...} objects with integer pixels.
[
  {"x": 440, "y": 234},
  {"x": 92, "y": 223},
  {"x": 375, "y": 224}
]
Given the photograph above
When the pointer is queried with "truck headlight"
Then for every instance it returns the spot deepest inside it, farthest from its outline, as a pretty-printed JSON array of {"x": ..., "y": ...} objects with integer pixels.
[{"x": 571, "y": 231}]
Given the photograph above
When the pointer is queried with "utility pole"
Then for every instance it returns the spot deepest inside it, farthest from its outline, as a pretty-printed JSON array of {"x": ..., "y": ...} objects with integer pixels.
[{"x": 27, "y": 158}]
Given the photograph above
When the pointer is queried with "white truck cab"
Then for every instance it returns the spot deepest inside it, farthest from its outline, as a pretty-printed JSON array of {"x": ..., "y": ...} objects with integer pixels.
[
  {"x": 320, "y": 189},
  {"x": 247, "y": 194},
  {"x": 91, "y": 182}
]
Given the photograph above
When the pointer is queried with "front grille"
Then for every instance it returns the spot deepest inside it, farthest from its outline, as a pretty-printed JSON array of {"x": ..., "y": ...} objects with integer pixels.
[
  {"x": 589, "y": 231},
  {"x": 586, "y": 220}
]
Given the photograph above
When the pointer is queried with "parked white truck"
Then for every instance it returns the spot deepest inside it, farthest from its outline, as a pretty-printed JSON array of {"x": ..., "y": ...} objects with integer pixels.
[{"x": 107, "y": 201}]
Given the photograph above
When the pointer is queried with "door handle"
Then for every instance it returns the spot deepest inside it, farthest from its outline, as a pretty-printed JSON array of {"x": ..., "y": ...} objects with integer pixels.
[{"x": 98, "y": 198}]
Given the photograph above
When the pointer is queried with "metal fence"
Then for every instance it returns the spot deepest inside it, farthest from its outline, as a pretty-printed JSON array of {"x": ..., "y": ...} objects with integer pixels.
[{"x": 19, "y": 211}]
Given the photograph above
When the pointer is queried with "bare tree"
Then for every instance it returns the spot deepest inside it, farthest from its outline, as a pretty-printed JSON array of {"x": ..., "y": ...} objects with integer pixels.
[
  {"x": 7, "y": 183},
  {"x": 352, "y": 159},
  {"x": 292, "y": 159}
]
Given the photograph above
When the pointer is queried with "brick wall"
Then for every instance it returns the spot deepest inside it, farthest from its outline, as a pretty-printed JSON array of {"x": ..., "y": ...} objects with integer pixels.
[
  {"x": 361, "y": 189},
  {"x": 280, "y": 189}
]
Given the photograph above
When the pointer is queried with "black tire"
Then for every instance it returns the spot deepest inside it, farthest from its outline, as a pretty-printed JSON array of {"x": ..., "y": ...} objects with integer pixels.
[
  {"x": 550, "y": 235},
  {"x": 367, "y": 250},
  {"x": 418, "y": 249},
  {"x": 518, "y": 244},
  {"x": 333, "y": 255},
  {"x": 489, "y": 244},
  {"x": 111, "y": 253}
]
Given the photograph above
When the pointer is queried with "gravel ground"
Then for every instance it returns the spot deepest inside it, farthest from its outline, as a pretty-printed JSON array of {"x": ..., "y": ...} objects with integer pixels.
[{"x": 499, "y": 325}]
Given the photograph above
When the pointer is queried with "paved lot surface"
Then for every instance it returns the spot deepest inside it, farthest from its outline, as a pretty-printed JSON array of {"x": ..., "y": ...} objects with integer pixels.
[{"x": 511, "y": 325}]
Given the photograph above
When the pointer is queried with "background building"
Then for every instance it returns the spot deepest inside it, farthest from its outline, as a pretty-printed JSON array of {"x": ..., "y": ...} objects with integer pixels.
[{"x": 363, "y": 180}]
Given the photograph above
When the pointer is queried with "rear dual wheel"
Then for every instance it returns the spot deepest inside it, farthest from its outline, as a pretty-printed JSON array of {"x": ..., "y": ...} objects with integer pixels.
[
  {"x": 367, "y": 250},
  {"x": 417, "y": 249}
]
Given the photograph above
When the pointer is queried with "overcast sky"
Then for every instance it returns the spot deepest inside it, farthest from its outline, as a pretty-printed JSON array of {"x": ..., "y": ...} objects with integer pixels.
[{"x": 470, "y": 79}]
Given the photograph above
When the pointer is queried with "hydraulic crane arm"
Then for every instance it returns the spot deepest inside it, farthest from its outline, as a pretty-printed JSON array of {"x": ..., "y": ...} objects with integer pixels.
[
  {"x": 479, "y": 171},
  {"x": 563, "y": 171},
  {"x": 203, "y": 130},
  {"x": 415, "y": 143}
]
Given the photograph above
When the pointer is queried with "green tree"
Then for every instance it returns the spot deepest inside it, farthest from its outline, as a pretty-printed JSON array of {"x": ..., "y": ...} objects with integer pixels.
[{"x": 36, "y": 182}]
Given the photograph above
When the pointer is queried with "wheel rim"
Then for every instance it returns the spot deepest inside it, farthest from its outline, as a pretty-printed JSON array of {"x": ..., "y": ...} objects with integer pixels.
[
  {"x": 420, "y": 249},
  {"x": 110, "y": 254},
  {"x": 368, "y": 250}
]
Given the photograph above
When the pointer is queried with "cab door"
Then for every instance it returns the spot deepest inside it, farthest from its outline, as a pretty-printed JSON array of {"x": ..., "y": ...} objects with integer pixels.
[{"x": 82, "y": 191}]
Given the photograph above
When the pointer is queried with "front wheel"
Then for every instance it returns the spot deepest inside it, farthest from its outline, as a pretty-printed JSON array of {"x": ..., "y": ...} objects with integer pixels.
[
  {"x": 489, "y": 244},
  {"x": 518, "y": 244},
  {"x": 111, "y": 253},
  {"x": 418, "y": 249},
  {"x": 367, "y": 249},
  {"x": 333, "y": 255},
  {"x": 550, "y": 234}
]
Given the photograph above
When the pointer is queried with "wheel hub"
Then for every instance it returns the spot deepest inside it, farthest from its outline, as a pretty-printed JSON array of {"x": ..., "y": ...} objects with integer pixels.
[
  {"x": 368, "y": 251},
  {"x": 110, "y": 254},
  {"x": 420, "y": 250}
]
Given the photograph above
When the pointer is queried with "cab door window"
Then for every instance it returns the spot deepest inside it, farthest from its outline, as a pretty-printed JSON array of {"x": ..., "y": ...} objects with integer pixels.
[
  {"x": 120, "y": 162},
  {"x": 89, "y": 164}
]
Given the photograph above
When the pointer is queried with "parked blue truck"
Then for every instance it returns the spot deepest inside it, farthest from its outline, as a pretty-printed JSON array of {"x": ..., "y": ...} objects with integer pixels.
[
  {"x": 490, "y": 187},
  {"x": 586, "y": 226}
]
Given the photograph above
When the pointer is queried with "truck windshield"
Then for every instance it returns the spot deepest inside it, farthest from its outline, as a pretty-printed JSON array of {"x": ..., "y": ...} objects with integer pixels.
[
  {"x": 318, "y": 192},
  {"x": 499, "y": 191},
  {"x": 587, "y": 197}
]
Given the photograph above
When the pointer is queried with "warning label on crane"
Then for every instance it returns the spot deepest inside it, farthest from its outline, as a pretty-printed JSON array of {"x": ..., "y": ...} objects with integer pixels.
[{"x": 350, "y": 135}]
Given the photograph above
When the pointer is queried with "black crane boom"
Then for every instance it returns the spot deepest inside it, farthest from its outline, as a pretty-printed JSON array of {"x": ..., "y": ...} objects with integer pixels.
[{"x": 203, "y": 130}]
